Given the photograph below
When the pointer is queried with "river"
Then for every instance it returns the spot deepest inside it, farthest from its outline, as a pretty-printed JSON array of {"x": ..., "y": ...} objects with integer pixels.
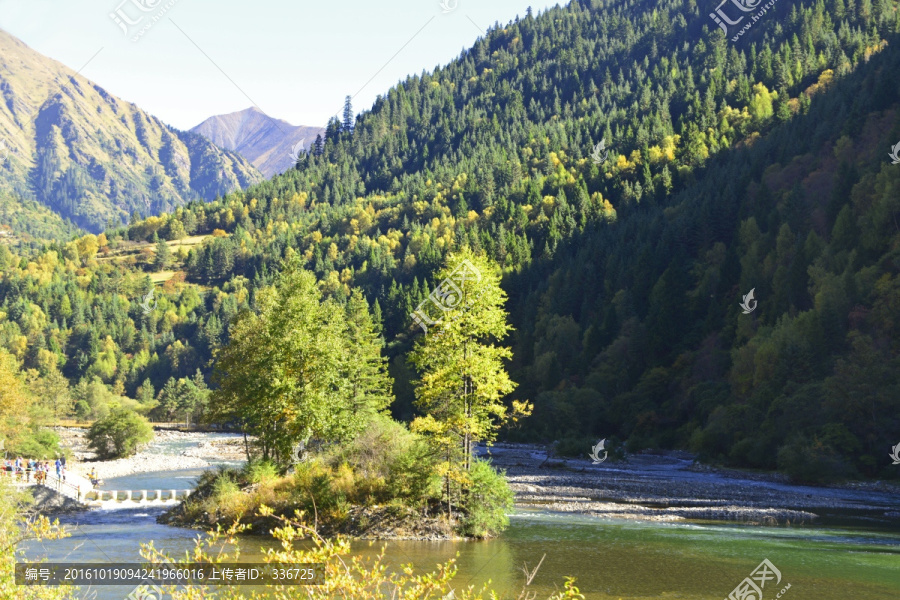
[{"x": 840, "y": 558}]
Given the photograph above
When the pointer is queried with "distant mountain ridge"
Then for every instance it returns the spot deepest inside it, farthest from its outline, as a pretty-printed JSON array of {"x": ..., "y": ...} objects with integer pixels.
[
  {"x": 90, "y": 156},
  {"x": 266, "y": 142}
]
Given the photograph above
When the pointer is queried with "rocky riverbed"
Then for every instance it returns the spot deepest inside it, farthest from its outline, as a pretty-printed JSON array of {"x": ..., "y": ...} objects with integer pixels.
[
  {"x": 658, "y": 486},
  {"x": 200, "y": 452},
  {"x": 670, "y": 486}
]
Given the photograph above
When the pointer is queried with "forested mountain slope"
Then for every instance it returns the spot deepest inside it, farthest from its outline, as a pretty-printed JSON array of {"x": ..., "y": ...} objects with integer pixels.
[
  {"x": 758, "y": 164},
  {"x": 29, "y": 221},
  {"x": 91, "y": 157}
]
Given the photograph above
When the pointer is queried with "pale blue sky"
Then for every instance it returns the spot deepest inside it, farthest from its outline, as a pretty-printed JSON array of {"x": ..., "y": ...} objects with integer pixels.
[{"x": 295, "y": 59}]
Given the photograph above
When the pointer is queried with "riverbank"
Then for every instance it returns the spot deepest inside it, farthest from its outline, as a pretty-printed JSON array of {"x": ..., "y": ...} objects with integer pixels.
[
  {"x": 670, "y": 486},
  {"x": 663, "y": 486},
  {"x": 200, "y": 452},
  {"x": 359, "y": 523},
  {"x": 51, "y": 503}
]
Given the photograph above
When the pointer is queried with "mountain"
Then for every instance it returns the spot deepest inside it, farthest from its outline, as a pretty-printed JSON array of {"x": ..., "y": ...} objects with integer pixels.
[
  {"x": 22, "y": 219},
  {"x": 266, "y": 142},
  {"x": 761, "y": 164},
  {"x": 92, "y": 157}
]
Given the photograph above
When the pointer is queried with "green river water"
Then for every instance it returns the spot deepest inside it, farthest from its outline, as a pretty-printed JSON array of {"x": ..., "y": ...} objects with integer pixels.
[{"x": 839, "y": 558}]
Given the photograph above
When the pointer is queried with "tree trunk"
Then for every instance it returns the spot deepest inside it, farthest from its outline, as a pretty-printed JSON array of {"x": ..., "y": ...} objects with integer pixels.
[
  {"x": 246, "y": 446},
  {"x": 449, "y": 505}
]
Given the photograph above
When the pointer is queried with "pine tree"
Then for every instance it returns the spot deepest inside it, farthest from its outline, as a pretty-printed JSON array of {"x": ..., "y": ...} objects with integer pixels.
[
  {"x": 348, "y": 115},
  {"x": 368, "y": 384},
  {"x": 163, "y": 256}
]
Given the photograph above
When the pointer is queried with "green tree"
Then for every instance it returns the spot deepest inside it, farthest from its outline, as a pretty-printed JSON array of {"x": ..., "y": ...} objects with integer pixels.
[
  {"x": 347, "y": 124},
  {"x": 52, "y": 391},
  {"x": 119, "y": 434},
  {"x": 146, "y": 393},
  {"x": 462, "y": 377},
  {"x": 368, "y": 382},
  {"x": 289, "y": 372},
  {"x": 163, "y": 256}
]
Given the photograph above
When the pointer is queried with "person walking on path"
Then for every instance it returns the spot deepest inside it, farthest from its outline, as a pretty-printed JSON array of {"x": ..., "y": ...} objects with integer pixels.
[{"x": 58, "y": 468}]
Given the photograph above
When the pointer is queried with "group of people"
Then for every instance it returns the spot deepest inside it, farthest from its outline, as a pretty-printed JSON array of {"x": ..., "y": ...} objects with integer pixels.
[{"x": 22, "y": 467}]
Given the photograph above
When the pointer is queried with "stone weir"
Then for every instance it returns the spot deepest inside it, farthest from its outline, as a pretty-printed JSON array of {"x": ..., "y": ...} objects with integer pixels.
[{"x": 119, "y": 498}]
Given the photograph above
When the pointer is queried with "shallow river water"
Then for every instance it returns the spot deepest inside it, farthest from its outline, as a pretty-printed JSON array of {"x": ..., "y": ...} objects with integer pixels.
[{"x": 839, "y": 559}]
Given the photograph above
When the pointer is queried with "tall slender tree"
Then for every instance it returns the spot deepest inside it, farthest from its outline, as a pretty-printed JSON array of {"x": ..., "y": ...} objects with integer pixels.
[
  {"x": 462, "y": 377},
  {"x": 348, "y": 115}
]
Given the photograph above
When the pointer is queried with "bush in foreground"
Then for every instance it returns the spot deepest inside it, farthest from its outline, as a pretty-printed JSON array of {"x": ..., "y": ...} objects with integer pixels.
[
  {"x": 344, "y": 576},
  {"x": 119, "y": 434},
  {"x": 18, "y": 525}
]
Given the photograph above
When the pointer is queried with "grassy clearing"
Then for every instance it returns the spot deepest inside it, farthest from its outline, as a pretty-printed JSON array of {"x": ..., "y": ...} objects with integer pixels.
[
  {"x": 188, "y": 242},
  {"x": 161, "y": 277}
]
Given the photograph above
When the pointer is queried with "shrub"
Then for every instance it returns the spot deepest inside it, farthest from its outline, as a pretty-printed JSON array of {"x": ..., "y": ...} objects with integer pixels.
[
  {"x": 812, "y": 462},
  {"x": 388, "y": 462},
  {"x": 82, "y": 409},
  {"x": 40, "y": 444},
  {"x": 487, "y": 503},
  {"x": 412, "y": 476},
  {"x": 119, "y": 434},
  {"x": 385, "y": 465},
  {"x": 316, "y": 492},
  {"x": 224, "y": 486},
  {"x": 226, "y": 498},
  {"x": 263, "y": 471}
]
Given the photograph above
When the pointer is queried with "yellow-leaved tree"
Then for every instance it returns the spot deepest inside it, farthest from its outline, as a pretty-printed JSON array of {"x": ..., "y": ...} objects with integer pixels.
[{"x": 462, "y": 383}]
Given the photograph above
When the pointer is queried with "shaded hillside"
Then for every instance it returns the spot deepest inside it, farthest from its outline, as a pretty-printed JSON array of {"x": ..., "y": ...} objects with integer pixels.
[
  {"x": 635, "y": 332},
  {"x": 27, "y": 220},
  {"x": 266, "y": 142},
  {"x": 91, "y": 157}
]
